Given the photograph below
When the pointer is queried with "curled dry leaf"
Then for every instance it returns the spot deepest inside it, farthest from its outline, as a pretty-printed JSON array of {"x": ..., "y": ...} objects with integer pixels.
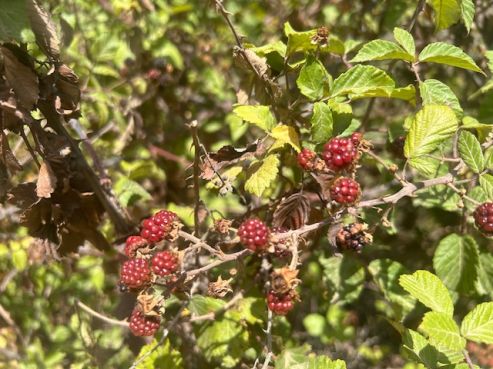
[
  {"x": 292, "y": 212},
  {"x": 47, "y": 181},
  {"x": 44, "y": 30},
  {"x": 6, "y": 155},
  {"x": 21, "y": 78}
]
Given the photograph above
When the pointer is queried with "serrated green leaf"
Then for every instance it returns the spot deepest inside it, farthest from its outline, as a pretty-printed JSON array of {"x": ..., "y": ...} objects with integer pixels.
[
  {"x": 478, "y": 324},
  {"x": 259, "y": 115},
  {"x": 128, "y": 191},
  {"x": 485, "y": 274},
  {"x": 419, "y": 348},
  {"x": 386, "y": 274},
  {"x": 296, "y": 357},
  {"x": 201, "y": 305},
  {"x": 324, "y": 362},
  {"x": 381, "y": 50},
  {"x": 486, "y": 182},
  {"x": 406, "y": 40},
  {"x": 248, "y": 309},
  {"x": 286, "y": 135},
  {"x": 303, "y": 42},
  {"x": 434, "y": 92},
  {"x": 482, "y": 129},
  {"x": 489, "y": 55},
  {"x": 432, "y": 125},
  {"x": 456, "y": 262},
  {"x": 164, "y": 356},
  {"x": 447, "y": 12},
  {"x": 321, "y": 122},
  {"x": 261, "y": 175},
  {"x": 13, "y": 19},
  {"x": 425, "y": 165},
  {"x": 275, "y": 47},
  {"x": 313, "y": 79},
  {"x": 443, "y": 53},
  {"x": 345, "y": 276},
  {"x": 342, "y": 115},
  {"x": 467, "y": 10},
  {"x": 362, "y": 79},
  {"x": 470, "y": 151},
  {"x": 429, "y": 290},
  {"x": 442, "y": 331}
]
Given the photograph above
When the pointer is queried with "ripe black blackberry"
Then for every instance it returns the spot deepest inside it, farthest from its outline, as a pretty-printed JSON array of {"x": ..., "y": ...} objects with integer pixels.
[
  {"x": 353, "y": 237},
  {"x": 142, "y": 325},
  {"x": 164, "y": 263},
  {"x": 483, "y": 217},
  {"x": 340, "y": 153},
  {"x": 280, "y": 304},
  {"x": 254, "y": 234},
  {"x": 135, "y": 273},
  {"x": 132, "y": 244},
  {"x": 157, "y": 227},
  {"x": 345, "y": 191},
  {"x": 306, "y": 159}
]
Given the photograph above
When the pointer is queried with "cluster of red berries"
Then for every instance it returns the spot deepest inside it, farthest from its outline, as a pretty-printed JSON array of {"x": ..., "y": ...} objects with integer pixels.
[
  {"x": 483, "y": 217},
  {"x": 339, "y": 154},
  {"x": 279, "y": 304},
  {"x": 146, "y": 264},
  {"x": 254, "y": 234}
]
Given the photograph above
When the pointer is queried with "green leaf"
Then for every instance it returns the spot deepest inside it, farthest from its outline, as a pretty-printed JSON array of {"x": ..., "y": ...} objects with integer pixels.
[
  {"x": 293, "y": 358},
  {"x": 443, "y": 53},
  {"x": 342, "y": 115},
  {"x": 224, "y": 341},
  {"x": 442, "y": 331},
  {"x": 261, "y": 175},
  {"x": 275, "y": 47},
  {"x": 313, "y": 79},
  {"x": 344, "y": 276},
  {"x": 486, "y": 182},
  {"x": 324, "y": 362},
  {"x": 429, "y": 290},
  {"x": 425, "y": 165},
  {"x": 489, "y": 55},
  {"x": 321, "y": 122},
  {"x": 485, "y": 274},
  {"x": 419, "y": 348},
  {"x": 128, "y": 192},
  {"x": 303, "y": 42},
  {"x": 13, "y": 19},
  {"x": 164, "y": 356},
  {"x": 201, "y": 305},
  {"x": 456, "y": 262},
  {"x": 314, "y": 324},
  {"x": 381, "y": 50},
  {"x": 470, "y": 151},
  {"x": 248, "y": 309},
  {"x": 386, "y": 274},
  {"x": 286, "y": 135},
  {"x": 362, "y": 79},
  {"x": 478, "y": 324},
  {"x": 432, "y": 125},
  {"x": 447, "y": 12},
  {"x": 259, "y": 115},
  {"x": 434, "y": 92},
  {"x": 467, "y": 10},
  {"x": 406, "y": 40}
]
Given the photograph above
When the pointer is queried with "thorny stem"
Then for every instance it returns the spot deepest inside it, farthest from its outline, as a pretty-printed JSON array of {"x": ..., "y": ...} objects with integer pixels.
[
  {"x": 268, "y": 333},
  {"x": 196, "y": 173}
]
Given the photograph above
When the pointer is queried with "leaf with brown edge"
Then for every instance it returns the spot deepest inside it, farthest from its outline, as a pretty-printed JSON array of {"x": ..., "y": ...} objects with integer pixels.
[
  {"x": 6, "y": 155},
  {"x": 44, "y": 30},
  {"x": 292, "y": 212},
  {"x": 21, "y": 78},
  {"x": 47, "y": 181}
]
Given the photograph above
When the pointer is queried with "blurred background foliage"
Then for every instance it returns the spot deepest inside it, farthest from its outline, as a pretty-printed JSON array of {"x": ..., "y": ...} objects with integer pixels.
[{"x": 147, "y": 68}]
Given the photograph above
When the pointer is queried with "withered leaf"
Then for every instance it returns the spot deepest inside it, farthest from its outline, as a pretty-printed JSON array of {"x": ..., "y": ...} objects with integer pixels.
[
  {"x": 47, "y": 181},
  {"x": 6, "y": 155},
  {"x": 21, "y": 78},
  {"x": 292, "y": 212},
  {"x": 44, "y": 30},
  {"x": 228, "y": 152},
  {"x": 68, "y": 90}
]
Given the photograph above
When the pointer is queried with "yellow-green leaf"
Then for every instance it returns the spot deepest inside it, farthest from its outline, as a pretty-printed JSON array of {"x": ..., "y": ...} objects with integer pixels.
[
  {"x": 286, "y": 135},
  {"x": 261, "y": 175}
]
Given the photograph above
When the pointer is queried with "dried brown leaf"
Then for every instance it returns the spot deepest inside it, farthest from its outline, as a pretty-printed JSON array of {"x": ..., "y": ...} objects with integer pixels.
[
  {"x": 6, "y": 155},
  {"x": 47, "y": 181},
  {"x": 44, "y": 30},
  {"x": 21, "y": 78},
  {"x": 292, "y": 212}
]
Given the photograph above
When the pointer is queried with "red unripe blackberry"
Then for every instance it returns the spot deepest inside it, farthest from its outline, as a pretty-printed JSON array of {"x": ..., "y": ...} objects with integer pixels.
[
  {"x": 164, "y": 263},
  {"x": 279, "y": 304},
  {"x": 134, "y": 243},
  {"x": 157, "y": 227},
  {"x": 254, "y": 234},
  {"x": 306, "y": 159},
  {"x": 135, "y": 273},
  {"x": 142, "y": 325},
  {"x": 483, "y": 216},
  {"x": 340, "y": 153},
  {"x": 353, "y": 237},
  {"x": 345, "y": 191}
]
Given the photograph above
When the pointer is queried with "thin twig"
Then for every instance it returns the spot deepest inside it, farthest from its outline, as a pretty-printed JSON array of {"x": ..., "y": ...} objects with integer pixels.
[
  {"x": 419, "y": 9},
  {"x": 87, "y": 309},
  {"x": 196, "y": 173},
  {"x": 468, "y": 359},
  {"x": 388, "y": 167},
  {"x": 268, "y": 333}
]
